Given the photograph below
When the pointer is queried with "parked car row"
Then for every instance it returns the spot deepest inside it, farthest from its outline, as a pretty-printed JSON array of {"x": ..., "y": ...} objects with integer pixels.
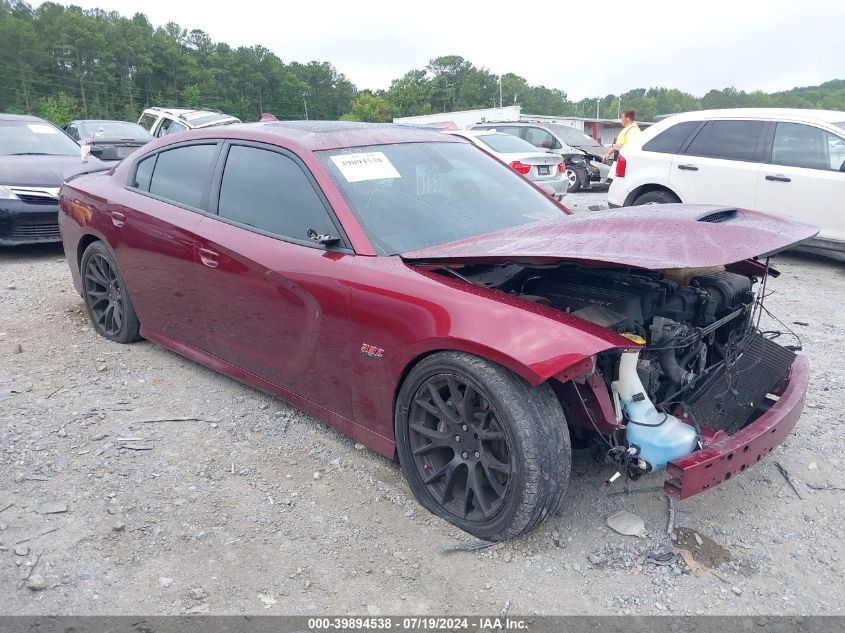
[
  {"x": 35, "y": 157},
  {"x": 582, "y": 155}
]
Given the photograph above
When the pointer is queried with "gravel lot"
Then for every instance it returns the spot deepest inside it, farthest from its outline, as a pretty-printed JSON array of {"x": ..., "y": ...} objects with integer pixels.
[{"x": 245, "y": 505}]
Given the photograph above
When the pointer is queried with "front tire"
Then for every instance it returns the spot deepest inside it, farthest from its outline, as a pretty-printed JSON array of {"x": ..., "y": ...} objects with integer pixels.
[
  {"x": 480, "y": 447},
  {"x": 106, "y": 298}
]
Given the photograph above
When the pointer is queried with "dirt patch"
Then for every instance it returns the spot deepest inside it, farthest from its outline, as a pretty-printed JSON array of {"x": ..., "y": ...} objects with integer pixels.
[{"x": 704, "y": 549}]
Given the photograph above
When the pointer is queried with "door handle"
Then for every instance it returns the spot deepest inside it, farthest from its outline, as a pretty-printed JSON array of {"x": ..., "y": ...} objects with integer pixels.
[
  {"x": 209, "y": 257},
  {"x": 118, "y": 219},
  {"x": 778, "y": 178},
  {"x": 688, "y": 167}
]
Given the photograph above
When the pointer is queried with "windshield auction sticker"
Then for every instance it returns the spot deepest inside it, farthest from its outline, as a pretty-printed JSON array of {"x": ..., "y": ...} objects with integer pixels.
[{"x": 365, "y": 166}]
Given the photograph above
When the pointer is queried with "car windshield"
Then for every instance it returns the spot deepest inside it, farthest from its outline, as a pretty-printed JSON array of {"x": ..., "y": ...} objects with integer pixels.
[
  {"x": 414, "y": 195},
  {"x": 114, "y": 129},
  {"x": 506, "y": 143},
  {"x": 34, "y": 137}
]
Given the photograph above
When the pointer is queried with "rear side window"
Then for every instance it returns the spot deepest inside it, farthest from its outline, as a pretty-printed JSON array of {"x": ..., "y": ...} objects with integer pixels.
[
  {"x": 670, "y": 140},
  {"x": 731, "y": 140},
  {"x": 143, "y": 174},
  {"x": 183, "y": 174},
  {"x": 799, "y": 145},
  {"x": 541, "y": 138},
  {"x": 269, "y": 191}
]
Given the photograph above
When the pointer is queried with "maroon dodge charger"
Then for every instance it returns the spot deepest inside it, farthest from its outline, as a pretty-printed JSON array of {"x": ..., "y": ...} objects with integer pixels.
[{"x": 424, "y": 299}]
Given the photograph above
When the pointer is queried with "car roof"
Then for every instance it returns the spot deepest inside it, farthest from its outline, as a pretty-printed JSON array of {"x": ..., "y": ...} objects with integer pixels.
[
  {"x": 320, "y": 135},
  {"x": 19, "y": 117},
  {"x": 103, "y": 121},
  {"x": 826, "y": 116},
  {"x": 187, "y": 114}
]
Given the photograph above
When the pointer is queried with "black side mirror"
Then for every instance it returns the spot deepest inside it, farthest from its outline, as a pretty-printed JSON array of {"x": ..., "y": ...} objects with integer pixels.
[{"x": 96, "y": 151}]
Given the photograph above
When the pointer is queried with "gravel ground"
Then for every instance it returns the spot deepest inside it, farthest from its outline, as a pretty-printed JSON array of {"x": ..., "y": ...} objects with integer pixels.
[{"x": 243, "y": 504}]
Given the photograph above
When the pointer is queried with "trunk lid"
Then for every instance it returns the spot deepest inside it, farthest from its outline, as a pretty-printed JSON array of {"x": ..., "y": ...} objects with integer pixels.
[{"x": 653, "y": 237}]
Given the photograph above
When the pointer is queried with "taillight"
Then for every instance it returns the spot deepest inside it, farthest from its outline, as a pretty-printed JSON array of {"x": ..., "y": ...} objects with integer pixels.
[
  {"x": 621, "y": 164},
  {"x": 561, "y": 167},
  {"x": 520, "y": 168}
]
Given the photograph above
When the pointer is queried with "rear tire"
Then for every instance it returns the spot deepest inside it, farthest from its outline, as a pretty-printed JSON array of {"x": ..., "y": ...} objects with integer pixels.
[
  {"x": 656, "y": 197},
  {"x": 495, "y": 465},
  {"x": 106, "y": 299}
]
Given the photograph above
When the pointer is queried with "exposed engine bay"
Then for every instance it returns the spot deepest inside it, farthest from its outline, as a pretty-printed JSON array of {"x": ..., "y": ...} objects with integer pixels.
[{"x": 697, "y": 359}]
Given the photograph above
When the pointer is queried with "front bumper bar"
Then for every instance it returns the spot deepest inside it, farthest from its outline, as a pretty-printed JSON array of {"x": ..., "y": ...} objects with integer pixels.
[{"x": 732, "y": 455}]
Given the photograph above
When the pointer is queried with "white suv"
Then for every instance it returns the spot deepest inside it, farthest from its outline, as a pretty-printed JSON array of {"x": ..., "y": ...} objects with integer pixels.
[
  {"x": 163, "y": 121},
  {"x": 789, "y": 162}
]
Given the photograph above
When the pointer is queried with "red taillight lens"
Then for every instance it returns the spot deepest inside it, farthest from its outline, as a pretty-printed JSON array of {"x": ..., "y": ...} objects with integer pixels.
[
  {"x": 561, "y": 167},
  {"x": 520, "y": 168},
  {"x": 621, "y": 164}
]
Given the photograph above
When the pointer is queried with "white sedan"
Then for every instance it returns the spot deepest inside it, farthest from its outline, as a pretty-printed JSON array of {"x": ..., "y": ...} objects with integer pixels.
[{"x": 544, "y": 168}]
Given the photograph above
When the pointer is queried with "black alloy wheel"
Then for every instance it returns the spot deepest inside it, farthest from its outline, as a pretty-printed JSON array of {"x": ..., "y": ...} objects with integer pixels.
[
  {"x": 481, "y": 447},
  {"x": 459, "y": 447},
  {"x": 106, "y": 299}
]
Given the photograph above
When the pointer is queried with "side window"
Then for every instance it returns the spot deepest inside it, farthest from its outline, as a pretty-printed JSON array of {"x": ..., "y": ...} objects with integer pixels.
[
  {"x": 513, "y": 131},
  {"x": 169, "y": 126},
  {"x": 175, "y": 127},
  {"x": 540, "y": 138},
  {"x": 270, "y": 192},
  {"x": 147, "y": 121},
  {"x": 71, "y": 132},
  {"x": 798, "y": 145},
  {"x": 731, "y": 140},
  {"x": 183, "y": 174},
  {"x": 670, "y": 140},
  {"x": 143, "y": 174}
]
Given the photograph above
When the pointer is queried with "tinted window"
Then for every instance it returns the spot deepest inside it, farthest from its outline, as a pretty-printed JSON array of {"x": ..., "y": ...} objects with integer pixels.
[
  {"x": 669, "y": 141},
  {"x": 269, "y": 191},
  {"x": 732, "y": 140},
  {"x": 143, "y": 174},
  {"x": 540, "y": 138},
  {"x": 183, "y": 174},
  {"x": 806, "y": 146}
]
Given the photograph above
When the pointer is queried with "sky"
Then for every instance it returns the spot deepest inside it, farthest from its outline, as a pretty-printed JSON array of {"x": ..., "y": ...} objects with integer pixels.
[{"x": 587, "y": 49}]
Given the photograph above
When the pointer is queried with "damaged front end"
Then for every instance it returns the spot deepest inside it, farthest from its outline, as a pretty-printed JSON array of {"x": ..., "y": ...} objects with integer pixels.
[{"x": 701, "y": 392}]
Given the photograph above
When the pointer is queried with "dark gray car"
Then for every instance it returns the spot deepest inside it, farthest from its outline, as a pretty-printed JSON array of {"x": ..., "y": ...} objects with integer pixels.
[{"x": 108, "y": 140}]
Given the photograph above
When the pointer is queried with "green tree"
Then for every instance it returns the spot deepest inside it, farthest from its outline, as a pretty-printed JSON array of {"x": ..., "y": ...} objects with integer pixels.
[
  {"x": 368, "y": 107},
  {"x": 61, "y": 109}
]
